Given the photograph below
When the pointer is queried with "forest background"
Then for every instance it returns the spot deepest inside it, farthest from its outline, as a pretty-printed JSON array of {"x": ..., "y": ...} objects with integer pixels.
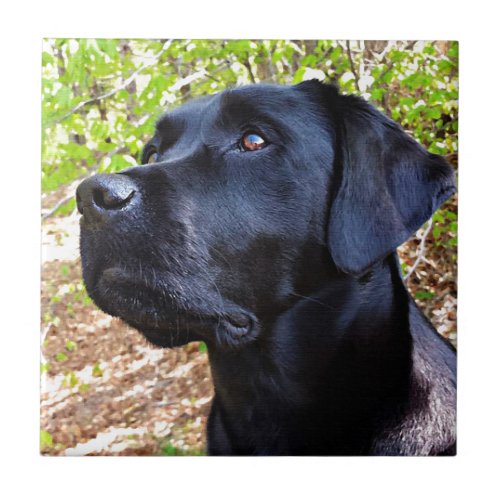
[{"x": 106, "y": 391}]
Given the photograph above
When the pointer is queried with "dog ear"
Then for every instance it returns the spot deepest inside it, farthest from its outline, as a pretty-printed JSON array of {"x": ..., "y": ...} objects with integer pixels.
[{"x": 385, "y": 184}]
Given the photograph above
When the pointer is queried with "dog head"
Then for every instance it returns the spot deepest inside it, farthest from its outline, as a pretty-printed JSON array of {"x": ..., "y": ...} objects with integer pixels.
[{"x": 246, "y": 200}]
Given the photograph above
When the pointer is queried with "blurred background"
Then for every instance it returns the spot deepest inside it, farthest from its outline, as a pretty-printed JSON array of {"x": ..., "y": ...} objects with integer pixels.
[{"x": 104, "y": 389}]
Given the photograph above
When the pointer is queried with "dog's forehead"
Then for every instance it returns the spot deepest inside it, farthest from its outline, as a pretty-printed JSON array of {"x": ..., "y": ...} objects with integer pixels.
[
  {"x": 266, "y": 100},
  {"x": 262, "y": 95},
  {"x": 242, "y": 103},
  {"x": 185, "y": 115}
]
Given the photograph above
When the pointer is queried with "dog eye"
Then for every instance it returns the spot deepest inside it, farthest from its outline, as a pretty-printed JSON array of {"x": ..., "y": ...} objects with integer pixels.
[
  {"x": 252, "y": 142},
  {"x": 152, "y": 157}
]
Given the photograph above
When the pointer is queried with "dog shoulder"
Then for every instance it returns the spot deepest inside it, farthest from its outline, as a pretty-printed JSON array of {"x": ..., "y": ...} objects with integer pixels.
[{"x": 427, "y": 425}]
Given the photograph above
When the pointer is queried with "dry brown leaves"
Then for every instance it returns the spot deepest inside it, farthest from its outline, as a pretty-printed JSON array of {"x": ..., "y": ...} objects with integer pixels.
[{"x": 106, "y": 391}]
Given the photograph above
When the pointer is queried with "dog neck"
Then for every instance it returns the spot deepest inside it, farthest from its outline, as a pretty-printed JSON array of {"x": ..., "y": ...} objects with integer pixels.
[{"x": 347, "y": 345}]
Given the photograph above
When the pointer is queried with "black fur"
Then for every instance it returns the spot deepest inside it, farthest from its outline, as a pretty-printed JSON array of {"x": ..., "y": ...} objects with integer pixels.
[{"x": 283, "y": 261}]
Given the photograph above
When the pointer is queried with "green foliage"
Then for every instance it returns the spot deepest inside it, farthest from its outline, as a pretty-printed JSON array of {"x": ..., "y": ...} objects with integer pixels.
[
  {"x": 172, "y": 451},
  {"x": 445, "y": 228},
  {"x": 97, "y": 370},
  {"x": 70, "y": 380},
  {"x": 70, "y": 345},
  {"x": 75, "y": 292},
  {"x": 60, "y": 356},
  {"x": 83, "y": 388},
  {"x": 46, "y": 440},
  {"x": 64, "y": 270},
  {"x": 66, "y": 208},
  {"x": 49, "y": 317},
  {"x": 102, "y": 97}
]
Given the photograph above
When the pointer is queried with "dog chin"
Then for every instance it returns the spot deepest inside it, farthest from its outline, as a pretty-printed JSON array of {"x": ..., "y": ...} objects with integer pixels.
[
  {"x": 165, "y": 338},
  {"x": 225, "y": 333},
  {"x": 169, "y": 324}
]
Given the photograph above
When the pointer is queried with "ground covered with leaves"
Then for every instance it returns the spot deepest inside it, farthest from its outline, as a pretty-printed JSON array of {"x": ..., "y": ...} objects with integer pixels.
[{"x": 106, "y": 391}]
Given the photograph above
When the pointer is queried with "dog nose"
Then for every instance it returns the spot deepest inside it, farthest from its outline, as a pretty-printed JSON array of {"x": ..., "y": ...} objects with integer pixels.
[{"x": 100, "y": 195}]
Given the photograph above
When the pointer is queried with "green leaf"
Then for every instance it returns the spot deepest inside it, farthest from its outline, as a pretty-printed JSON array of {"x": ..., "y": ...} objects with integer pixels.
[
  {"x": 46, "y": 440},
  {"x": 299, "y": 74},
  {"x": 83, "y": 388},
  {"x": 70, "y": 345},
  {"x": 397, "y": 55},
  {"x": 63, "y": 97},
  {"x": 453, "y": 50},
  {"x": 108, "y": 46},
  {"x": 64, "y": 270},
  {"x": 445, "y": 66},
  {"x": 388, "y": 76},
  {"x": 309, "y": 60},
  {"x": 438, "y": 216},
  {"x": 47, "y": 58},
  {"x": 119, "y": 162},
  {"x": 378, "y": 94},
  {"x": 407, "y": 101},
  {"x": 97, "y": 370},
  {"x": 66, "y": 208},
  {"x": 71, "y": 380},
  {"x": 436, "y": 231},
  {"x": 170, "y": 450},
  {"x": 60, "y": 356},
  {"x": 433, "y": 113}
]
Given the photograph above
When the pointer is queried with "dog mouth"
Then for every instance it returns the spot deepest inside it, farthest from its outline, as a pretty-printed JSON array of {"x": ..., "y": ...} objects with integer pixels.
[
  {"x": 165, "y": 318},
  {"x": 230, "y": 331},
  {"x": 238, "y": 328}
]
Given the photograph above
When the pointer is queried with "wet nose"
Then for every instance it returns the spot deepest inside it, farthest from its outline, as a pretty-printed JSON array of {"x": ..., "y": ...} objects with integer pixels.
[{"x": 99, "y": 196}]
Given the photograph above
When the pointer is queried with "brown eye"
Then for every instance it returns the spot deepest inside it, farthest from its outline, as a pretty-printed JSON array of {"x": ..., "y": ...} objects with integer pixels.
[
  {"x": 252, "y": 142},
  {"x": 152, "y": 157}
]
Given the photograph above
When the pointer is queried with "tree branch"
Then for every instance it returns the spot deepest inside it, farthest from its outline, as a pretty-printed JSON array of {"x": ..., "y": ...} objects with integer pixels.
[
  {"x": 353, "y": 69},
  {"x": 124, "y": 85},
  {"x": 248, "y": 66},
  {"x": 59, "y": 204},
  {"x": 420, "y": 250},
  {"x": 72, "y": 188}
]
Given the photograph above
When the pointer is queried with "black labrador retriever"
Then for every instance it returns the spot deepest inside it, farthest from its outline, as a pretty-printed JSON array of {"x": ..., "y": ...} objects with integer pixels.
[{"x": 264, "y": 220}]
